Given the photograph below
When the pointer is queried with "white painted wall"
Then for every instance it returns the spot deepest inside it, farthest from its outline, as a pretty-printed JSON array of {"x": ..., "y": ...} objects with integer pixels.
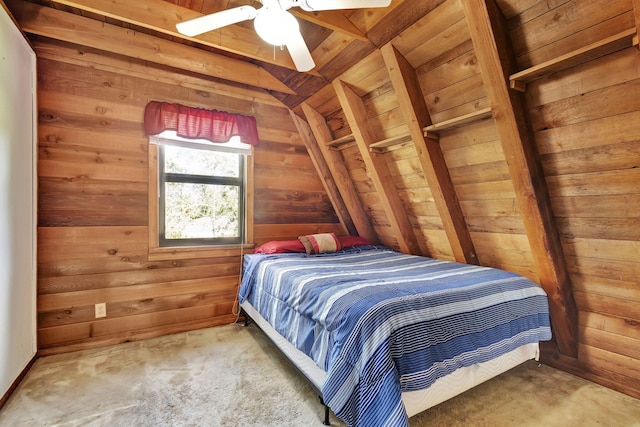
[{"x": 17, "y": 202}]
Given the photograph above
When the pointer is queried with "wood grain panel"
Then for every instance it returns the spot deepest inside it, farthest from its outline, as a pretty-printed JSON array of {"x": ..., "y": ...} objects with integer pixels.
[
  {"x": 122, "y": 309},
  {"x": 267, "y": 232},
  {"x": 568, "y": 19},
  {"x": 611, "y": 324},
  {"x": 455, "y": 69},
  {"x": 621, "y": 128},
  {"x": 463, "y": 92},
  {"x": 593, "y": 159},
  {"x": 526, "y": 10},
  {"x": 612, "y": 101},
  {"x": 612, "y": 269},
  {"x": 433, "y": 35},
  {"x": 616, "y": 368},
  {"x": 460, "y": 110},
  {"x": 88, "y": 202},
  {"x": 89, "y": 343},
  {"x": 615, "y": 206},
  {"x": 490, "y": 207},
  {"x": 589, "y": 77},
  {"x": 607, "y": 305},
  {"x": 595, "y": 184},
  {"x": 611, "y": 343},
  {"x": 276, "y": 177}
]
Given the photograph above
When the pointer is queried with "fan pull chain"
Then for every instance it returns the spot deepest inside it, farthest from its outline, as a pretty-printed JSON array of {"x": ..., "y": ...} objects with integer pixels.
[{"x": 274, "y": 50}]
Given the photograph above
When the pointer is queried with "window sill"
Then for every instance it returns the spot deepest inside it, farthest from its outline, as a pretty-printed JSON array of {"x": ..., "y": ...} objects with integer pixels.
[{"x": 192, "y": 252}]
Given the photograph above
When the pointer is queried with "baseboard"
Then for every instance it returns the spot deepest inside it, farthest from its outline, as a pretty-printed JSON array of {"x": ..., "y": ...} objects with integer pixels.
[{"x": 17, "y": 381}]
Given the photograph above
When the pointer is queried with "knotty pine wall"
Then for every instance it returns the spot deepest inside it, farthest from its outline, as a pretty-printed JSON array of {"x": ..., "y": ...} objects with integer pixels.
[
  {"x": 586, "y": 127},
  {"x": 93, "y": 204}
]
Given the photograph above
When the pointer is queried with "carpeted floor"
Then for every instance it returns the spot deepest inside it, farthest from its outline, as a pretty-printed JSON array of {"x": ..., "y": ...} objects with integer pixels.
[{"x": 232, "y": 376}]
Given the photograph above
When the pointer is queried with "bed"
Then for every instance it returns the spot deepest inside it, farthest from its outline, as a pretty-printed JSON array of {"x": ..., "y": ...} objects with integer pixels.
[{"x": 384, "y": 335}]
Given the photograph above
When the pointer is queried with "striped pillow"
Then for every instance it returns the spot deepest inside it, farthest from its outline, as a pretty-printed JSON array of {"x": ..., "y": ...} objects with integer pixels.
[{"x": 320, "y": 243}]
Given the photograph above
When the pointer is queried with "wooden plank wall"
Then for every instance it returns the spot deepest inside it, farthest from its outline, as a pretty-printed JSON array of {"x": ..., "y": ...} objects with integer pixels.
[
  {"x": 93, "y": 201},
  {"x": 585, "y": 122},
  {"x": 586, "y": 126}
]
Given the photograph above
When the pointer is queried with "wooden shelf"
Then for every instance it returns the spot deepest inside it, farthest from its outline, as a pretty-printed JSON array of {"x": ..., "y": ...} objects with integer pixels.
[
  {"x": 476, "y": 116},
  {"x": 624, "y": 39},
  {"x": 388, "y": 143},
  {"x": 340, "y": 141}
]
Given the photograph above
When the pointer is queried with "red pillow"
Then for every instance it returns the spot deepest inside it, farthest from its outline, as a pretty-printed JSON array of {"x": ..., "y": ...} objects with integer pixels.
[
  {"x": 347, "y": 241},
  {"x": 279, "y": 247}
]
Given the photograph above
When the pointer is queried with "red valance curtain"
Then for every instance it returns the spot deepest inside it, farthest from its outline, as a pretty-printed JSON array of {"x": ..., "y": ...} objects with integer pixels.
[{"x": 190, "y": 122}]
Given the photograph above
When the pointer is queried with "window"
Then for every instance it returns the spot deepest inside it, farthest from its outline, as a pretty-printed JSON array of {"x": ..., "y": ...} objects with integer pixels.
[
  {"x": 202, "y": 196},
  {"x": 200, "y": 190}
]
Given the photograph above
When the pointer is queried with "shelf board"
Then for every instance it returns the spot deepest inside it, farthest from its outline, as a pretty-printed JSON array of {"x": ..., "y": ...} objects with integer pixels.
[
  {"x": 389, "y": 142},
  {"x": 456, "y": 122},
  {"x": 344, "y": 140},
  {"x": 624, "y": 39}
]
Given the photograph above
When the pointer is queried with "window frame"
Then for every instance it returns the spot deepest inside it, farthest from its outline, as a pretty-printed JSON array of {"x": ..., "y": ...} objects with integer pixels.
[{"x": 159, "y": 253}]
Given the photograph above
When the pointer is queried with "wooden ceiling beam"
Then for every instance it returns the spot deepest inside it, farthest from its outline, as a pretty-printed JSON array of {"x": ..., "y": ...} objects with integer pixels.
[
  {"x": 377, "y": 168},
  {"x": 163, "y": 17},
  {"x": 338, "y": 171},
  {"x": 416, "y": 115},
  {"x": 496, "y": 60},
  {"x": 333, "y": 20},
  {"x": 55, "y": 24},
  {"x": 325, "y": 174}
]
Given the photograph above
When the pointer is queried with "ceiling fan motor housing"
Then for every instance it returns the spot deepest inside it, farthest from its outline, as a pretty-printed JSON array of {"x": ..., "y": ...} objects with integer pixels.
[{"x": 275, "y": 25}]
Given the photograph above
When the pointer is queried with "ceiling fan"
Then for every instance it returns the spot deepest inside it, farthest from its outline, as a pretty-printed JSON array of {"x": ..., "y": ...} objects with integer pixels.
[{"x": 274, "y": 24}]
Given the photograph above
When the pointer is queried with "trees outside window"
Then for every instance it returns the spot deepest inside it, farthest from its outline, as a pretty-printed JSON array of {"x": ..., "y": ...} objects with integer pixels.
[{"x": 201, "y": 196}]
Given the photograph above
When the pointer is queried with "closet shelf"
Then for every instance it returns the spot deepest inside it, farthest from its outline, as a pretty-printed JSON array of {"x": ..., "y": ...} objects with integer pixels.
[
  {"x": 388, "y": 143},
  {"x": 433, "y": 130},
  {"x": 624, "y": 39},
  {"x": 340, "y": 141}
]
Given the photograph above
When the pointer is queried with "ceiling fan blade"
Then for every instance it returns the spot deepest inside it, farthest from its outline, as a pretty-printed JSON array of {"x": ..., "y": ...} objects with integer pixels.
[
  {"x": 315, "y": 5},
  {"x": 299, "y": 52},
  {"x": 216, "y": 20}
]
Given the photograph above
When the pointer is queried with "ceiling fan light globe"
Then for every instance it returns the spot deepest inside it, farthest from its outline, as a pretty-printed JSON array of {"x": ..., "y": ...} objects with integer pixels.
[{"x": 275, "y": 25}]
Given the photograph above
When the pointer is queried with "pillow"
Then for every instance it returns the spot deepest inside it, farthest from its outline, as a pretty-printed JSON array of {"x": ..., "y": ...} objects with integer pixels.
[
  {"x": 279, "y": 247},
  {"x": 320, "y": 243},
  {"x": 348, "y": 241}
]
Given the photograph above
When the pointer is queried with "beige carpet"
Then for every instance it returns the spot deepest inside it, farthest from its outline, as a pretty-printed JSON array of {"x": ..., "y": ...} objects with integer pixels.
[{"x": 232, "y": 376}]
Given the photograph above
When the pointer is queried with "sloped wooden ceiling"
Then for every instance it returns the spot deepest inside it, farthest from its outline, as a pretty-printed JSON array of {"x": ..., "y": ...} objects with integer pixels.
[{"x": 337, "y": 39}]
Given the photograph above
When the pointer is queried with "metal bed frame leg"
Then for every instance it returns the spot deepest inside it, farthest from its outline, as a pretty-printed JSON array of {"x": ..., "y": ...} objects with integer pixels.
[
  {"x": 326, "y": 413},
  {"x": 246, "y": 317}
]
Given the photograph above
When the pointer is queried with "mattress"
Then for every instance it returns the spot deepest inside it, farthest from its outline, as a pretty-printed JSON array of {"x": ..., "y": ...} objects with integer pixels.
[
  {"x": 417, "y": 401},
  {"x": 382, "y": 325}
]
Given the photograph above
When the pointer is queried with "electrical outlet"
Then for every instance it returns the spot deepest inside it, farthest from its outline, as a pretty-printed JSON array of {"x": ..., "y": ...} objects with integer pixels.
[{"x": 101, "y": 310}]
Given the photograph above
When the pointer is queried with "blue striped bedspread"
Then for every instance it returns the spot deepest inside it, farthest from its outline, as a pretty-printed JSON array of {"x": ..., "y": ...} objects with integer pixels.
[{"x": 381, "y": 323}]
